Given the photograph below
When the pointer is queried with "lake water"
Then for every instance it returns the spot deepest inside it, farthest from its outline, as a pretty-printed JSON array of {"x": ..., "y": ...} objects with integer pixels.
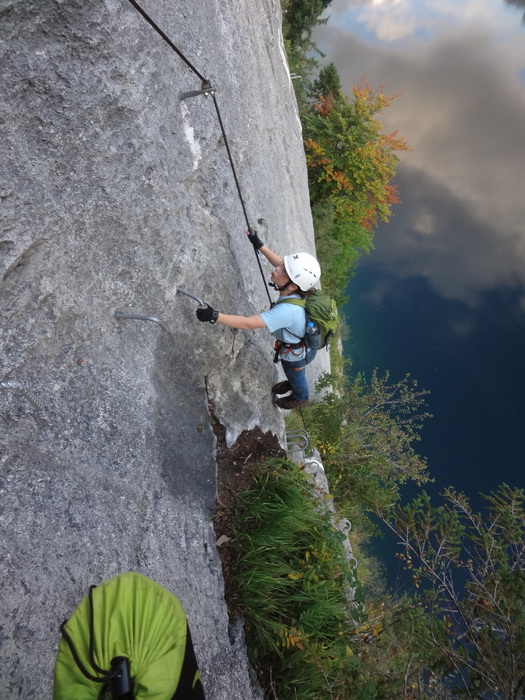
[
  {"x": 442, "y": 296},
  {"x": 470, "y": 359}
]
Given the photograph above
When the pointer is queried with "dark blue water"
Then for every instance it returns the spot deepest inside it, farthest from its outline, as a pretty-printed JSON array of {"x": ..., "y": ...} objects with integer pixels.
[{"x": 471, "y": 359}]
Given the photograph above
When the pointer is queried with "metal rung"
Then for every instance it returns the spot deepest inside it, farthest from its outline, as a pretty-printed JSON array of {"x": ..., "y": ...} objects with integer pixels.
[
  {"x": 206, "y": 89},
  {"x": 298, "y": 444},
  {"x": 139, "y": 317},
  {"x": 316, "y": 462},
  {"x": 297, "y": 440},
  {"x": 17, "y": 386},
  {"x": 297, "y": 431}
]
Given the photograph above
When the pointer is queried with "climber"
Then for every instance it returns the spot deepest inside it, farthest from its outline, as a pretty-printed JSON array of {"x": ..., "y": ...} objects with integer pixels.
[{"x": 294, "y": 276}]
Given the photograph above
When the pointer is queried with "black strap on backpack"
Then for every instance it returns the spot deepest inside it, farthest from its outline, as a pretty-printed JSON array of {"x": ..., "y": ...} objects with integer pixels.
[{"x": 118, "y": 677}]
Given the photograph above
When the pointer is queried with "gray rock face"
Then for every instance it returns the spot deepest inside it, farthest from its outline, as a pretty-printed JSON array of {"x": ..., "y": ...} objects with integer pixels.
[{"x": 113, "y": 191}]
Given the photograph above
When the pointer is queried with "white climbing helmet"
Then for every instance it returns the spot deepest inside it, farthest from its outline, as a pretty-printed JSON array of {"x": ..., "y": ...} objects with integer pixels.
[{"x": 303, "y": 269}]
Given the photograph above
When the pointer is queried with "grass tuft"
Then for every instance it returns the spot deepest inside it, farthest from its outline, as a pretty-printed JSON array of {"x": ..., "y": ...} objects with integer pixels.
[{"x": 294, "y": 582}]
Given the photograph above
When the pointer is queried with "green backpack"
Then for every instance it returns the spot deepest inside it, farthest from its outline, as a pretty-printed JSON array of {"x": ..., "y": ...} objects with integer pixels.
[{"x": 321, "y": 310}]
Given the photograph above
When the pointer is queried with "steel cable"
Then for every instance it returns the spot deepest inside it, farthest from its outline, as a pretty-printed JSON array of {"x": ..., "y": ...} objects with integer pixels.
[
  {"x": 166, "y": 39},
  {"x": 190, "y": 65}
]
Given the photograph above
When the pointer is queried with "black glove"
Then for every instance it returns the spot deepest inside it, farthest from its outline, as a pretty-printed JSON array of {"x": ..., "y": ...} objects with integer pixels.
[
  {"x": 207, "y": 314},
  {"x": 254, "y": 239}
]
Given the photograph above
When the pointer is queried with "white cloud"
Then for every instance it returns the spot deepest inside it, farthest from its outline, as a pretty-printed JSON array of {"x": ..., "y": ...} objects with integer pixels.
[
  {"x": 389, "y": 19},
  {"x": 469, "y": 13},
  {"x": 392, "y": 20},
  {"x": 462, "y": 111},
  {"x": 425, "y": 224},
  {"x": 438, "y": 236}
]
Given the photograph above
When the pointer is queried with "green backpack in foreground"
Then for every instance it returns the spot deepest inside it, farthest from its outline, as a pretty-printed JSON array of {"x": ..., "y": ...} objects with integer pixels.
[
  {"x": 128, "y": 638},
  {"x": 322, "y": 311}
]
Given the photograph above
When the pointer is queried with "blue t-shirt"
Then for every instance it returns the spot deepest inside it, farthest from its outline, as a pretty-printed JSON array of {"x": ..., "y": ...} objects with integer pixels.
[{"x": 287, "y": 322}]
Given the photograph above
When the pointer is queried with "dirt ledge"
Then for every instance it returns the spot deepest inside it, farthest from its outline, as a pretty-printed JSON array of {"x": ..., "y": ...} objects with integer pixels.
[{"x": 236, "y": 467}]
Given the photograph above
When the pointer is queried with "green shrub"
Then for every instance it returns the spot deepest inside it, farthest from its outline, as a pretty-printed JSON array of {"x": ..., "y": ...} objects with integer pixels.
[{"x": 293, "y": 582}]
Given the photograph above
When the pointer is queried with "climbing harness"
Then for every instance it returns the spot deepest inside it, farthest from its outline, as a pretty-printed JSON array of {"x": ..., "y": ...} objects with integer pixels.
[
  {"x": 288, "y": 348},
  {"x": 207, "y": 90}
]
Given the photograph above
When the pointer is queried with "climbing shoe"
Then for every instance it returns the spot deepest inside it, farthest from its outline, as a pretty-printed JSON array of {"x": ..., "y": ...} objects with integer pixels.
[
  {"x": 289, "y": 402},
  {"x": 282, "y": 387}
]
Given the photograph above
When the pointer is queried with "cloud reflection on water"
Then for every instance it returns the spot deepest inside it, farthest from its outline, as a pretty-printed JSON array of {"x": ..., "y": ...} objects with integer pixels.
[{"x": 462, "y": 111}]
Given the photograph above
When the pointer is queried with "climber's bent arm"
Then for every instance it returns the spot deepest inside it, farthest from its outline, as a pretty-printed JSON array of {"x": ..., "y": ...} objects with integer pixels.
[{"x": 244, "y": 322}]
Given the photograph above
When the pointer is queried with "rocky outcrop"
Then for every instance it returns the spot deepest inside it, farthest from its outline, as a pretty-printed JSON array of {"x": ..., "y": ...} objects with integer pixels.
[
  {"x": 300, "y": 451},
  {"x": 113, "y": 191}
]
